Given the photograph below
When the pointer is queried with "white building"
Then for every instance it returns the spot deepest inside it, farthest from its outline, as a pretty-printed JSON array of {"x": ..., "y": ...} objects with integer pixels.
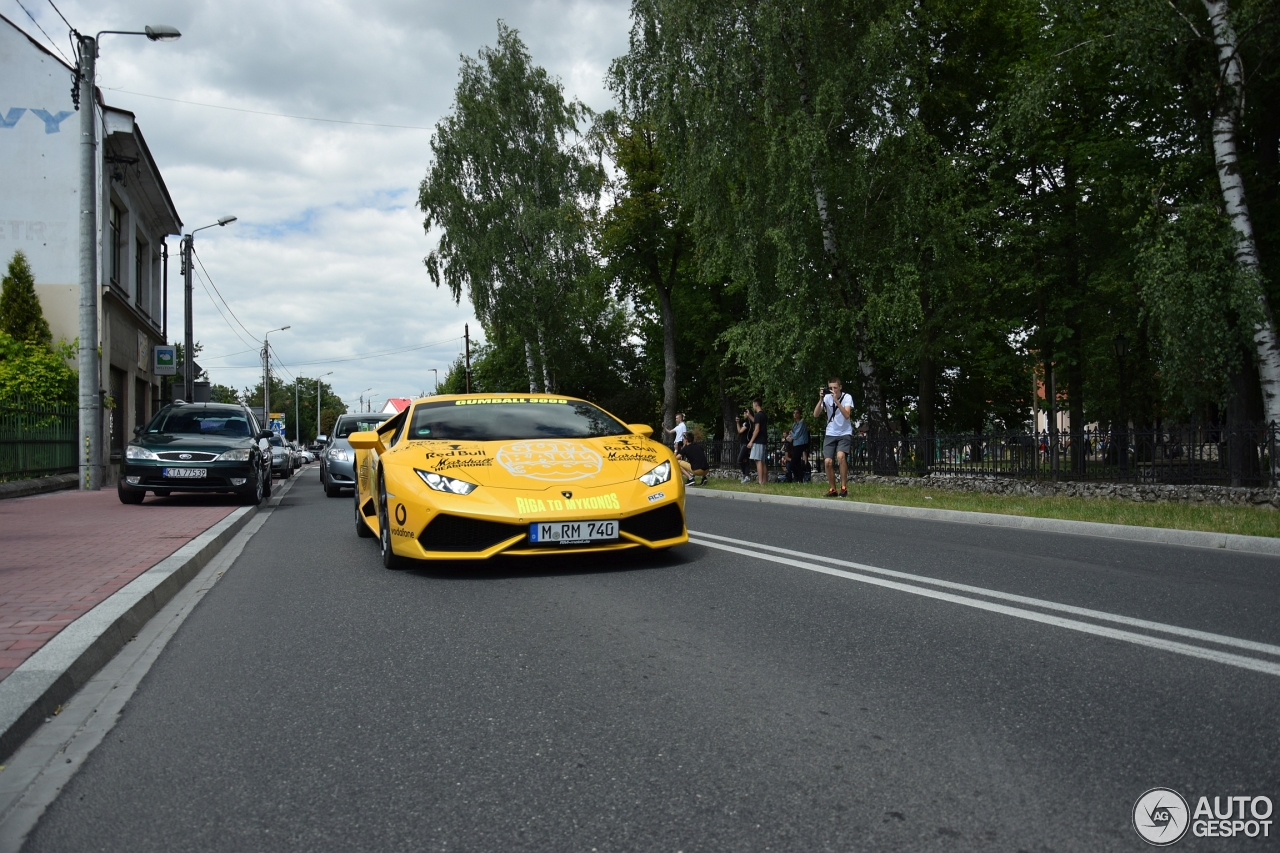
[{"x": 39, "y": 214}]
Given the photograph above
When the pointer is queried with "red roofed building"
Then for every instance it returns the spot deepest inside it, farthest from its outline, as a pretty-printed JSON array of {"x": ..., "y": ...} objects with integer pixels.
[{"x": 395, "y": 405}]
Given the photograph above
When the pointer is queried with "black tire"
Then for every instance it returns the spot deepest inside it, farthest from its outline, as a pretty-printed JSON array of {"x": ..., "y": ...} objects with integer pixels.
[
  {"x": 390, "y": 559},
  {"x": 129, "y": 496},
  {"x": 162, "y": 493},
  {"x": 332, "y": 490},
  {"x": 253, "y": 494},
  {"x": 362, "y": 529},
  {"x": 266, "y": 484}
]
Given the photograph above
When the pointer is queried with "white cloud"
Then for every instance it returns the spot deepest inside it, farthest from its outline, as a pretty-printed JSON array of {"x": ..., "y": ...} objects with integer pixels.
[{"x": 327, "y": 212}]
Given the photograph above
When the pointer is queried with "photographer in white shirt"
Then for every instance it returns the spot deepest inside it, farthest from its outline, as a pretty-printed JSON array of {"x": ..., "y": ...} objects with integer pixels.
[{"x": 837, "y": 407}]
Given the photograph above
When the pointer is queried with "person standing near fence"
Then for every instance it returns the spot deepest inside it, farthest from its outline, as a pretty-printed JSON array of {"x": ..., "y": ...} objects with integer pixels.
[
  {"x": 759, "y": 440},
  {"x": 677, "y": 432},
  {"x": 745, "y": 426},
  {"x": 799, "y": 447},
  {"x": 837, "y": 406}
]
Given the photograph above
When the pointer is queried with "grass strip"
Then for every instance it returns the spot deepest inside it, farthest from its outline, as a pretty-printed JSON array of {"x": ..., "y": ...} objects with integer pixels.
[{"x": 1212, "y": 518}]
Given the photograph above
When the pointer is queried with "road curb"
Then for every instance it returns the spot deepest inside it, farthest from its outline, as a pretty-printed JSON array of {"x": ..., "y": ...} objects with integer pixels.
[
  {"x": 38, "y": 486},
  {"x": 63, "y": 665},
  {"x": 1264, "y": 545}
]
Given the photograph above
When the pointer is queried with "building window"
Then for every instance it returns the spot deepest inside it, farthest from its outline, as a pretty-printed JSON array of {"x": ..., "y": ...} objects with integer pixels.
[
  {"x": 140, "y": 290},
  {"x": 115, "y": 244}
]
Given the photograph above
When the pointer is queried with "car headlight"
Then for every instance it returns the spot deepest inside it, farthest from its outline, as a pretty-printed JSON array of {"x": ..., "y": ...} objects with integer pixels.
[
  {"x": 135, "y": 452},
  {"x": 339, "y": 455},
  {"x": 441, "y": 483},
  {"x": 233, "y": 456},
  {"x": 657, "y": 476}
]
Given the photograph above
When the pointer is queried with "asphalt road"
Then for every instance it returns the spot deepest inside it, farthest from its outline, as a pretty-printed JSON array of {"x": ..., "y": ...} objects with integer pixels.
[{"x": 697, "y": 700}]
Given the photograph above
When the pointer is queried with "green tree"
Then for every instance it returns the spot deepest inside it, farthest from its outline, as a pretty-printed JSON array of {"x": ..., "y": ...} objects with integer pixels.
[
  {"x": 20, "y": 313},
  {"x": 35, "y": 373},
  {"x": 513, "y": 191}
]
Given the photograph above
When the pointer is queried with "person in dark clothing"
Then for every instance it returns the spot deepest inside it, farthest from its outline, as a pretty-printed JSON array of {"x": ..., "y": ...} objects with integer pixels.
[
  {"x": 693, "y": 461},
  {"x": 745, "y": 426},
  {"x": 798, "y": 462},
  {"x": 759, "y": 440}
]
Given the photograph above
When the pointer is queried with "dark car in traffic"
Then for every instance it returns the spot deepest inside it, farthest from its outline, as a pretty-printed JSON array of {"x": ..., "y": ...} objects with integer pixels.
[{"x": 198, "y": 447}]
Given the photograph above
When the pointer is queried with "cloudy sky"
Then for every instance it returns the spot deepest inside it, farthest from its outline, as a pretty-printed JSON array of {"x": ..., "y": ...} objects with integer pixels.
[{"x": 327, "y": 214}]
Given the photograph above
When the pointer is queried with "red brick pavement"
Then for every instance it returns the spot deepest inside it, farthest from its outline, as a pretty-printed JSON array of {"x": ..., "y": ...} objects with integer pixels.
[{"x": 63, "y": 553}]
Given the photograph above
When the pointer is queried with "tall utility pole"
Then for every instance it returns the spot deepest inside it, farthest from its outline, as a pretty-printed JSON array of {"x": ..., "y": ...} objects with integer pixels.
[
  {"x": 319, "y": 384},
  {"x": 90, "y": 449},
  {"x": 188, "y": 330},
  {"x": 266, "y": 374},
  {"x": 466, "y": 334},
  {"x": 90, "y": 380}
]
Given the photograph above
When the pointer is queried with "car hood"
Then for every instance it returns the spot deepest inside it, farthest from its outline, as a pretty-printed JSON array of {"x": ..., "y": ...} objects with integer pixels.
[
  {"x": 159, "y": 442},
  {"x": 536, "y": 464}
]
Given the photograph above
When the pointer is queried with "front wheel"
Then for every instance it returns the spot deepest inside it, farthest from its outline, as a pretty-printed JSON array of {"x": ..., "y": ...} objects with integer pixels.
[
  {"x": 362, "y": 529},
  {"x": 130, "y": 496},
  {"x": 390, "y": 559},
  {"x": 252, "y": 496}
]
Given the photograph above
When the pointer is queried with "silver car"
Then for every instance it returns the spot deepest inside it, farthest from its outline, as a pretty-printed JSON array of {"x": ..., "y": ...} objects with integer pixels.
[
  {"x": 337, "y": 468},
  {"x": 281, "y": 457}
]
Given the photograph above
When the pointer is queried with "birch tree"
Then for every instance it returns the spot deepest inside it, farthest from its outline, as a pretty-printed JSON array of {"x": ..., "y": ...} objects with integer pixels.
[
  {"x": 512, "y": 190},
  {"x": 1226, "y": 131}
]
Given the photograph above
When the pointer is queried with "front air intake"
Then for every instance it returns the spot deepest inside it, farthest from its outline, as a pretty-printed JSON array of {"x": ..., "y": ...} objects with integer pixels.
[
  {"x": 665, "y": 522},
  {"x": 461, "y": 533}
]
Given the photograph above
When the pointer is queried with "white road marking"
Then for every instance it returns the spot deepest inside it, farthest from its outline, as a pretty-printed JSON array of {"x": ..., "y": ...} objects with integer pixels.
[{"x": 758, "y": 551}]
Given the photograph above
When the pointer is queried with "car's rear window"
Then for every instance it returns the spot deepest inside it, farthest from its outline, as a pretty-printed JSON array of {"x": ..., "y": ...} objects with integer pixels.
[
  {"x": 220, "y": 422},
  {"x": 504, "y": 418},
  {"x": 346, "y": 426}
]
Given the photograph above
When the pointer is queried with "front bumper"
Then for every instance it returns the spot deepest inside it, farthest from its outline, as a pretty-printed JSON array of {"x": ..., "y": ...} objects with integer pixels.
[
  {"x": 220, "y": 476},
  {"x": 340, "y": 473},
  {"x": 442, "y": 527}
]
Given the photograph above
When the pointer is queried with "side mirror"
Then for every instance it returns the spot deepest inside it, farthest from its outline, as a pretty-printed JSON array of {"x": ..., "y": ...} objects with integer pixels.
[
  {"x": 641, "y": 429},
  {"x": 138, "y": 429},
  {"x": 365, "y": 441},
  {"x": 266, "y": 433}
]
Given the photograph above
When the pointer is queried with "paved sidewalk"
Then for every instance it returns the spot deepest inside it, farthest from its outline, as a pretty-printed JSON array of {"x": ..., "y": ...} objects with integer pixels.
[{"x": 63, "y": 553}]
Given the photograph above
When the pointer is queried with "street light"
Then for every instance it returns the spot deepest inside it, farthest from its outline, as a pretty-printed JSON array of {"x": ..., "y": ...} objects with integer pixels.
[
  {"x": 330, "y": 373},
  {"x": 90, "y": 381},
  {"x": 266, "y": 375},
  {"x": 437, "y": 374},
  {"x": 1121, "y": 345},
  {"x": 362, "y": 393},
  {"x": 188, "y": 331}
]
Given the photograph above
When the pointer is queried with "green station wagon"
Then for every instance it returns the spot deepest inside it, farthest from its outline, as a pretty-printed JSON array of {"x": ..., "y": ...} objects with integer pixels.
[{"x": 198, "y": 447}]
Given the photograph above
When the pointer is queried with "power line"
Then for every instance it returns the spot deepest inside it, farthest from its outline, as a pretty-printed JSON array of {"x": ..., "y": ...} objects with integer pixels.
[
  {"x": 219, "y": 292},
  {"x": 60, "y": 15},
  {"x": 264, "y": 113},
  {"x": 219, "y": 310},
  {"x": 228, "y": 355},
  {"x": 350, "y": 358},
  {"x": 46, "y": 35}
]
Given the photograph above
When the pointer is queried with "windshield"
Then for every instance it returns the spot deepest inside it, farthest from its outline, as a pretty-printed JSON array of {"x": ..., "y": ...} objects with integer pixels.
[
  {"x": 219, "y": 422},
  {"x": 504, "y": 418},
  {"x": 348, "y": 425},
  {"x": 276, "y": 441}
]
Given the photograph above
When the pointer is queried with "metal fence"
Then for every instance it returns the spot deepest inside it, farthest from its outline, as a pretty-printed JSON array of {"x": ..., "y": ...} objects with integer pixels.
[
  {"x": 37, "y": 439},
  {"x": 1183, "y": 455}
]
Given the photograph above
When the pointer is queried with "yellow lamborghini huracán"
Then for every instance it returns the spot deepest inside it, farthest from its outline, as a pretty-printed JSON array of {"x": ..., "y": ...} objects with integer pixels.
[{"x": 468, "y": 477}]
